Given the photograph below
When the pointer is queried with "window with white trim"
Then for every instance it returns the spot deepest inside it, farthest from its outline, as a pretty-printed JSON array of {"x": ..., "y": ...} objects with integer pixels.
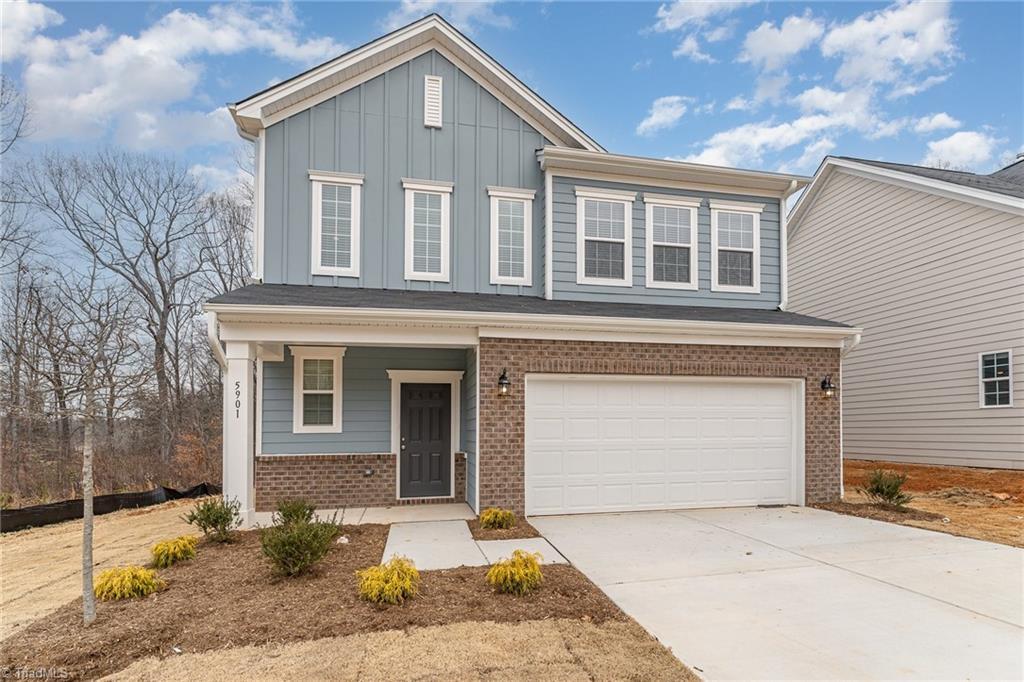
[
  {"x": 316, "y": 375},
  {"x": 671, "y": 226},
  {"x": 604, "y": 225},
  {"x": 427, "y": 230},
  {"x": 735, "y": 247},
  {"x": 336, "y": 223},
  {"x": 995, "y": 374},
  {"x": 511, "y": 235}
]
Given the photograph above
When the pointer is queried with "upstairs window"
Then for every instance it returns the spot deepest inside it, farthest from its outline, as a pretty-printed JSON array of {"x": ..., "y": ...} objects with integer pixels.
[
  {"x": 996, "y": 378},
  {"x": 735, "y": 247},
  {"x": 427, "y": 230},
  {"x": 317, "y": 390},
  {"x": 671, "y": 226},
  {"x": 336, "y": 223},
  {"x": 604, "y": 226},
  {"x": 511, "y": 235}
]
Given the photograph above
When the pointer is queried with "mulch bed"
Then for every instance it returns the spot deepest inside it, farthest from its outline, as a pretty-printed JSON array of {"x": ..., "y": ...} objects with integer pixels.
[
  {"x": 227, "y": 596},
  {"x": 521, "y": 530},
  {"x": 879, "y": 512}
]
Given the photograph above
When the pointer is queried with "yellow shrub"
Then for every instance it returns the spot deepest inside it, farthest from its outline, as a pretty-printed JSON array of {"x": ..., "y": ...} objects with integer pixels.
[
  {"x": 170, "y": 551},
  {"x": 497, "y": 518},
  {"x": 517, "y": 575},
  {"x": 390, "y": 583},
  {"x": 127, "y": 582}
]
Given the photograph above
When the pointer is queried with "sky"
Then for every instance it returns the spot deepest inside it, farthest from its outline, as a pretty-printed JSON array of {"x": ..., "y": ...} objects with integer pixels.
[{"x": 773, "y": 86}]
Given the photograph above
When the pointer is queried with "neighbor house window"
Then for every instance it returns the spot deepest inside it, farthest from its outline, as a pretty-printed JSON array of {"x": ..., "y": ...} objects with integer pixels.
[
  {"x": 996, "y": 379},
  {"x": 671, "y": 227},
  {"x": 317, "y": 389},
  {"x": 735, "y": 247},
  {"x": 511, "y": 228},
  {"x": 427, "y": 229},
  {"x": 604, "y": 226},
  {"x": 336, "y": 223}
]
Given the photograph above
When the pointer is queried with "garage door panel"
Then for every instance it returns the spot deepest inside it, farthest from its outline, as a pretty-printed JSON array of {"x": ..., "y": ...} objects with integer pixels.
[{"x": 617, "y": 427}]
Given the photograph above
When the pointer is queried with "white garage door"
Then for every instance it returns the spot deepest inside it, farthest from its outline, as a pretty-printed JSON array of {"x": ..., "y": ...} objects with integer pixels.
[{"x": 597, "y": 444}]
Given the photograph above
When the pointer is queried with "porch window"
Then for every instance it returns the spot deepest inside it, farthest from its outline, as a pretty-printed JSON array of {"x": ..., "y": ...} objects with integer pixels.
[
  {"x": 511, "y": 238},
  {"x": 336, "y": 223},
  {"x": 996, "y": 379},
  {"x": 735, "y": 247},
  {"x": 427, "y": 229},
  {"x": 604, "y": 226},
  {"x": 671, "y": 226},
  {"x": 317, "y": 389}
]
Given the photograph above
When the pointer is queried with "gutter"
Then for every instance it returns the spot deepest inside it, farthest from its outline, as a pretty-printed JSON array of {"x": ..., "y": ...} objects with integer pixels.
[
  {"x": 784, "y": 246},
  {"x": 211, "y": 337}
]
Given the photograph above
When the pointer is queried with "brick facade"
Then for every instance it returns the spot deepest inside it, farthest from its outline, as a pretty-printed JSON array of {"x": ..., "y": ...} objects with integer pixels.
[
  {"x": 336, "y": 481},
  {"x": 502, "y": 418}
]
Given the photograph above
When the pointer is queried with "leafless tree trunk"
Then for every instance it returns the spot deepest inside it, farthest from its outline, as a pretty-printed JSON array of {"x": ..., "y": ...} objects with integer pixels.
[{"x": 88, "y": 596}]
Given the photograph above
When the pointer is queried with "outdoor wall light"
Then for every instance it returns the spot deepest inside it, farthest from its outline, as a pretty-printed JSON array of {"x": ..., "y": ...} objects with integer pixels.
[
  {"x": 827, "y": 387},
  {"x": 503, "y": 382}
]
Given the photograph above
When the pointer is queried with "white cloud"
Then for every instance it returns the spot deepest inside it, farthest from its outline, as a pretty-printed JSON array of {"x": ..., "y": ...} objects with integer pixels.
[
  {"x": 720, "y": 33},
  {"x": 770, "y": 48},
  {"x": 664, "y": 113},
  {"x": 738, "y": 103},
  {"x": 466, "y": 16},
  {"x": 965, "y": 149},
  {"x": 21, "y": 22},
  {"x": 888, "y": 45},
  {"x": 690, "y": 47},
  {"x": 642, "y": 64},
  {"x": 684, "y": 13},
  {"x": 771, "y": 87},
  {"x": 939, "y": 121},
  {"x": 92, "y": 83},
  {"x": 746, "y": 145},
  {"x": 911, "y": 88},
  {"x": 811, "y": 157}
]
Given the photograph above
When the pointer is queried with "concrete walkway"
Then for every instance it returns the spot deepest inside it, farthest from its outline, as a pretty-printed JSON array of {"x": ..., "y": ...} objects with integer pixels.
[
  {"x": 797, "y": 593},
  {"x": 449, "y": 544},
  {"x": 400, "y": 513}
]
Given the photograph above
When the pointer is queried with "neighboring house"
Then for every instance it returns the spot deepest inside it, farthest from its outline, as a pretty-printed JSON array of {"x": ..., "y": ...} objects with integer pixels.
[
  {"x": 931, "y": 264},
  {"x": 462, "y": 296}
]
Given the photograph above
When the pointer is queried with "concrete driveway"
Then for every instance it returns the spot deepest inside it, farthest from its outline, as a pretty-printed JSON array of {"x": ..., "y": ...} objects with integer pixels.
[{"x": 796, "y": 593}]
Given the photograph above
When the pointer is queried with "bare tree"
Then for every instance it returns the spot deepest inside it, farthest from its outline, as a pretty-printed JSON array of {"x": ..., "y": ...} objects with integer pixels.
[
  {"x": 15, "y": 235},
  {"x": 137, "y": 216},
  {"x": 227, "y": 241},
  {"x": 14, "y": 114}
]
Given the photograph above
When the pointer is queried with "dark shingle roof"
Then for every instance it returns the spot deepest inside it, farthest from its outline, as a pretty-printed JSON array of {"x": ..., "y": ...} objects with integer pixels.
[
  {"x": 397, "y": 299},
  {"x": 1000, "y": 182}
]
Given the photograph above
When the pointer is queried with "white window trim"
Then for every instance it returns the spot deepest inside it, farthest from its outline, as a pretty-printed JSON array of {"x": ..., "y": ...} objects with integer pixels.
[
  {"x": 735, "y": 207},
  {"x": 515, "y": 194},
  {"x": 355, "y": 182},
  {"x": 444, "y": 189},
  {"x": 981, "y": 380},
  {"x": 621, "y": 197},
  {"x": 300, "y": 353},
  {"x": 650, "y": 201}
]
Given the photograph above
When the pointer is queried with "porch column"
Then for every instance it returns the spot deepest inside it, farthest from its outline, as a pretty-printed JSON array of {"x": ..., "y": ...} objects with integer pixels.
[{"x": 238, "y": 427}]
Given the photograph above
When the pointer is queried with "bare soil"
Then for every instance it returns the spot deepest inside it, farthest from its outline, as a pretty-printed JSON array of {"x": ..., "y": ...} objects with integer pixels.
[
  {"x": 986, "y": 504},
  {"x": 228, "y": 597},
  {"x": 543, "y": 650},
  {"x": 521, "y": 530}
]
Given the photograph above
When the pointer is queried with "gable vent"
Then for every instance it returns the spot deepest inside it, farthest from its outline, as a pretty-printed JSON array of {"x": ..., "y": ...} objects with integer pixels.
[{"x": 432, "y": 101}]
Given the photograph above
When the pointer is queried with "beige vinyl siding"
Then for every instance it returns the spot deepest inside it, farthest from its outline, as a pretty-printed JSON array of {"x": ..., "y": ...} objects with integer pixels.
[{"x": 934, "y": 282}]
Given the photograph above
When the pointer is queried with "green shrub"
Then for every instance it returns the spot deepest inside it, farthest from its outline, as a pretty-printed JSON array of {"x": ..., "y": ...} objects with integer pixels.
[
  {"x": 887, "y": 487},
  {"x": 518, "y": 574},
  {"x": 171, "y": 551},
  {"x": 127, "y": 582},
  {"x": 497, "y": 518},
  {"x": 216, "y": 517},
  {"x": 295, "y": 547},
  {"x": 390, "y": 583},
  {"x": 293, "y": 511}
]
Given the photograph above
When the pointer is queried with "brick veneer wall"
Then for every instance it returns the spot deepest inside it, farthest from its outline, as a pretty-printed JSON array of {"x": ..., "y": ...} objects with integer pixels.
[
  {"x": 335, "y": 481},
  {"x": 502, "y": 418}
]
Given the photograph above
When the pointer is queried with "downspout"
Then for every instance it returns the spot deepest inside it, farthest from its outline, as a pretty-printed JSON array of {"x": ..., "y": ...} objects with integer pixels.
[
  {"x": 849, "y": 343},
  {"x": 549, "y": 238},
  {"x": 211, "y": 337},
  {"x": 784, "y": 247}
]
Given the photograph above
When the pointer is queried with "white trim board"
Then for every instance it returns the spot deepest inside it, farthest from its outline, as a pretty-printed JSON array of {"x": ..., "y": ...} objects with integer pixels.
[
  {"x": 425, "y": 376},
  {"x": 525, "y": 196}
]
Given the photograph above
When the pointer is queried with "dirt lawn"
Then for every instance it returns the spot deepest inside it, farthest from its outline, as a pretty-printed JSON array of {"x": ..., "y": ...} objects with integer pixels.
[
  {"x": 987, "y": 504},
  {"x": 41, "y": 568}
]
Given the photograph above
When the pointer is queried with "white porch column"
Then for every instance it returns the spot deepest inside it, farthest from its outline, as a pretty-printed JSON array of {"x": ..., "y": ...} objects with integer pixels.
[{"x": 239, "y": 416}]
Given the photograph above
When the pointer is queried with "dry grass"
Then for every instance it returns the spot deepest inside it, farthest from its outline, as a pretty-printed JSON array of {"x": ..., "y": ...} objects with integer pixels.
[
  {"x": 544, "y": 650},
  {"x": 986, "y": 504}
]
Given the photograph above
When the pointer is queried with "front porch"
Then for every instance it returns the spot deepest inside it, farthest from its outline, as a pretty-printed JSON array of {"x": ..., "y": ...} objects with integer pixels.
[{"x": 356, "y": 516}]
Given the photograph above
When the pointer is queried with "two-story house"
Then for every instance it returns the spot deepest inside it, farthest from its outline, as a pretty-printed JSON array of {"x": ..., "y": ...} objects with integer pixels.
[{"x": 460, "y": 296}]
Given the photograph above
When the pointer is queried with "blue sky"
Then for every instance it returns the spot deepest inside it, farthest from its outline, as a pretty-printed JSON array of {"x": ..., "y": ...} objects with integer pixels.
[{"x": 757, "y": 85}]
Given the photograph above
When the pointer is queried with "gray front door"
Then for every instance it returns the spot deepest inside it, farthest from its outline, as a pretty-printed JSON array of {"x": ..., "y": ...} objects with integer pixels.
[{"x": 426, "y": 440}]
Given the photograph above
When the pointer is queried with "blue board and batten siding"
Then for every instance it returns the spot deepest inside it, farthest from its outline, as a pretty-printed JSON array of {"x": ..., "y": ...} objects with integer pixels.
[
  {"x": 470, "y": 383},
  {"x": 564, "y": 250},
  {"x": 366, "y": 400},
  {"x": 376, "y": 129}
]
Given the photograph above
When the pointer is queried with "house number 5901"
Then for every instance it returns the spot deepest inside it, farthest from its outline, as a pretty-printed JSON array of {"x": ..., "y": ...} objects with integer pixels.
[{"x": 238, "y": 398}]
